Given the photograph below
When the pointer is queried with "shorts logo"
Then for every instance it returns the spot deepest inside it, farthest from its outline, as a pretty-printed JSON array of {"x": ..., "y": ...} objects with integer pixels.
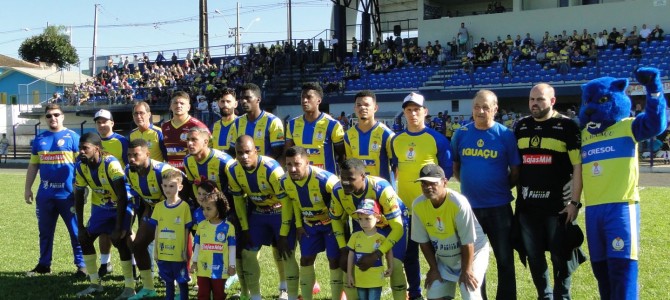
[{"x": 617, "y": 244}]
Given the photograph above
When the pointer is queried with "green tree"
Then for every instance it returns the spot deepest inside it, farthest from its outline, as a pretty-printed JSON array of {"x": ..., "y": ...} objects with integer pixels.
[{"x": 52, "y": 46}]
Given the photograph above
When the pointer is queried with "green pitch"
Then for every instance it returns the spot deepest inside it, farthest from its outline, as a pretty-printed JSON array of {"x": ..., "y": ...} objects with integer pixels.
[{"x": 19, "y": 250}]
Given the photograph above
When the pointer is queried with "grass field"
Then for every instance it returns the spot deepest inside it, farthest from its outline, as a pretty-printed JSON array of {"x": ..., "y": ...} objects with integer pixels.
[{"x": 19, "y": 251}]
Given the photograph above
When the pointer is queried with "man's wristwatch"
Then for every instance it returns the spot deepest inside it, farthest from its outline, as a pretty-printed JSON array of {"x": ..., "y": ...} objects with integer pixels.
[{"x": 576, "y": 204}]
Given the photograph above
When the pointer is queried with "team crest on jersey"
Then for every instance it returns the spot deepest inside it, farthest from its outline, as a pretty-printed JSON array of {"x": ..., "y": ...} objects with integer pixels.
[
  {"x": 319, "y": 136},
  {"x": 316, "y": 198},
  {"x": 177, "y": 220},
  {"x": 205, "y": 266},
  {"x": 212, "y": 177},
  {"x": 596, "y": 170},
  {"x": 263, "y": 186},
  {"x": 183, "y": 136},
  {"x": 153, "y": 189},
  {"x": 220, "y": 237},
  {"x": 410, "y": 152},
  {"x": 439, "y": 225},
  {"x": 617, "y": 244},
  {"x": 480, "y": 143},
  {"x": 149, "y": 144},
  {"x": 535, "y": 141},
  {"x": 375, "y": 146},
  {"x": 60, "y": 142},
  {"x": 377, "y": 244},
  {"x": 103, "y": 180},
  {"x": 259, "y": 134}
]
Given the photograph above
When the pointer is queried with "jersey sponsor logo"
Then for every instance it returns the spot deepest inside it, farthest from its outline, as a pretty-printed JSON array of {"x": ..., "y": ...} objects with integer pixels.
[
  {"x": 165, "y": 247},
  {"x": 603, "y": 134},
  {"x": 484, "y": 153},
  {"x": 599, "y": 150},
  {"x": 166, "y": 233},
  {"x": 446, "y": 247},
  {"x": 369, "y": 162},
  {"x": 179, "y": 164},
  {"x": 171, "y": 150},
  {"x": 212, "y": 247},
  {"x": 537, "y": 159},
  {"x": 52, "y": 157},
  {"x": 313, "y": 151},
  {"x": 52, "y": 185},
  {"x": 529, "y": 194}
]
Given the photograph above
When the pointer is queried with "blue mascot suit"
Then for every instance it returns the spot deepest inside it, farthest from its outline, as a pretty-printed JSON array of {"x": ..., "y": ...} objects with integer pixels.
[{"x": 610, "y": 174}]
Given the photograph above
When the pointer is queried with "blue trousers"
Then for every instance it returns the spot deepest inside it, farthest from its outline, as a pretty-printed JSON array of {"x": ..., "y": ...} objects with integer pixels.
[{"x": 47, "y": 211}]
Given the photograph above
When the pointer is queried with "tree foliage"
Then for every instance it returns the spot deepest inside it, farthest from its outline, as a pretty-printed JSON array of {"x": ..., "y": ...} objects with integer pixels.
[{"x": 52, "y": 46}]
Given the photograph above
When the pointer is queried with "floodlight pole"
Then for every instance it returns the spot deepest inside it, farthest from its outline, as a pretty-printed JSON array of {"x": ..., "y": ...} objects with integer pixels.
[{"x": 95, "y": 39}]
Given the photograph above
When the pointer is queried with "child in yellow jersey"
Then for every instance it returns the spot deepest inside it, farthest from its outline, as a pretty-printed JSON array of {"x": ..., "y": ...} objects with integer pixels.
[
  {"x": 368, "y": 282},
  {"x": 214, "y": 253},
  {"x": 172, "y": 219}
]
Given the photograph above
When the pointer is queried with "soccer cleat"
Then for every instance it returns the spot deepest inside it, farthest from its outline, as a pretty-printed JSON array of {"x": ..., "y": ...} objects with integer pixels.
[
  {"x": 105, "y": 269},
  {"x": 90, "y": 290},
  {"x": 81, "y": 273},
  {"x": 144, "y": 293},
  {"x": 283, "y": 295},
  {"x": 231, "y": 280},
  {"x": 38, "y": 270},
  {"x": 127, "y": 293}
]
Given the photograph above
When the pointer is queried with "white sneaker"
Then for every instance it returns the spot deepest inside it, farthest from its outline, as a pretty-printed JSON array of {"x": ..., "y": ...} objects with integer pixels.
[
  {"x": 127, "y": 293},
  {"x": 283, "y": 295},
  {"x": 90, "y": 290}
]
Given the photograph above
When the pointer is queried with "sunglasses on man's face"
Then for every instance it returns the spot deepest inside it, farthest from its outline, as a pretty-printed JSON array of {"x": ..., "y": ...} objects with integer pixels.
[{"x": 56, "y": 115}]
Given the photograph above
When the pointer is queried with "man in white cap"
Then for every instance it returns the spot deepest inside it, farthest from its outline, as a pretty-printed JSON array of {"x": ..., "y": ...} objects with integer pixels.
[
  {"x": 451, "y": 239},
  {"x": 406, "y": 160}
]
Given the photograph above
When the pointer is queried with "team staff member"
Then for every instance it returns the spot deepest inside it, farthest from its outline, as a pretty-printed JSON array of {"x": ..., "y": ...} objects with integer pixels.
[
  {"x": 221, "y": 134},
  {"x": 355, "y": 186},
  {"x": 254, "y": 183},
  {"x": 412, "y": 149},
  {"x": 320, "y": 134},
  {"x": 551, "y": 174},
  {"x": 309, "y": 190},
  {"x": 451, "y": 239},
  {"x": 147, "y": 131},
  {"x": 266, "y": 129},
  {"x": 488, "y": 147},
  {"x": 369, "y": 140},
  {"x": 53, "y": 155},
  {"x": 145, "y": 178},
  {"x": 175, "y": 131},
  {"x": 110, "y": 211},
  {"x": 116, "y": 145}
]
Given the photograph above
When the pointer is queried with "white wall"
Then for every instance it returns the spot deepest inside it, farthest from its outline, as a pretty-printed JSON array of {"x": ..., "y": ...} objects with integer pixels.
[{"x": 592, "y": 17}]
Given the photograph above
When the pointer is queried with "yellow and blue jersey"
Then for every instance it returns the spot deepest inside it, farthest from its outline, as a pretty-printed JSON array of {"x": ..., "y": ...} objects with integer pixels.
[
  {"x": 372, "y": 147},
  {"x": 222, "y": 134},
  {"x": 267, "y": 131},
  {"x": 100, "y": 179},
  {"x": 117, "y": 146},
  {"x": 362, "y": 244},
  {"x": 55, "y": 153},
  {"x": 610, "y": 166},
  {"x": 380, "y": 190},
  {"x": 260, "y": 187},
  {"x": 212, "y": 168},
  {"x": 318, "y": 138},
  {"x": 149, "y": 187},
  {"x": 154, "y": 137},
  {"x": 413, "y": 150},
  {"x": 172, "y": 225},
  {"x": 213, "y": 241},
  {"x": 310, "y": 197}
]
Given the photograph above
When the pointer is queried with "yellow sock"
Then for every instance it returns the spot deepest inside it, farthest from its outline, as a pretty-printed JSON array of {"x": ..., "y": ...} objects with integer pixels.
[
  {"x": 127, "y": 270},
  {"x": 336, "y": 283},
  {"x": 252, "y": 271},
  {"x": 244, "y": 291},
  {"x": 91, "y": 262},
  {"x": 292, "y": 273},
  {"x": 398, "y": 281},
  {"x": 280, "y": 265},
  {"x": 147, "y": 279},
  {"x": 307, "y": 279}
]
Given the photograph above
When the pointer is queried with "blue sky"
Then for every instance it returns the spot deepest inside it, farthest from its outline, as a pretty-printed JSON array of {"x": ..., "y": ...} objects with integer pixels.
[{"x": 126, "y": 27}]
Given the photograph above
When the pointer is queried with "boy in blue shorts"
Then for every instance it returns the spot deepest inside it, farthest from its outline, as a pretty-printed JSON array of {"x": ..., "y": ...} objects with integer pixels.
[{"x": 172, "y": 219}]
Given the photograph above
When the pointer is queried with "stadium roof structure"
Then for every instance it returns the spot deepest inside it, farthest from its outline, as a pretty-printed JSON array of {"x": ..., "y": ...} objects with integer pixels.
[{"x": 6, "y": 61}]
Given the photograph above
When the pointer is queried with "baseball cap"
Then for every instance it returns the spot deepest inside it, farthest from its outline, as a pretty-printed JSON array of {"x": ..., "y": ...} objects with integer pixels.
[
  {"x": 103, "y": 113},
  {"x": 432, "y": 173},
  {"x": 413, "y": 98},
  {"x": 368, "y": 207}
]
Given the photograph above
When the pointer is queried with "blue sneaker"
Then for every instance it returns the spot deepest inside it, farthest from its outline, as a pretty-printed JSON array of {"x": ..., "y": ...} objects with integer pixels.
[{"x": 144, "y": 293}]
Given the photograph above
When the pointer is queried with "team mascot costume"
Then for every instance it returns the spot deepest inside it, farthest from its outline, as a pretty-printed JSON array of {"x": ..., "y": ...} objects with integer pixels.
[{"x": 610, "y": 174}]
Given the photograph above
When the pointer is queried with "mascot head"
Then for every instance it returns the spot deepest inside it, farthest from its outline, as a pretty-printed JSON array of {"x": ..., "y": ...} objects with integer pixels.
[{"x": 604, "y": 102}]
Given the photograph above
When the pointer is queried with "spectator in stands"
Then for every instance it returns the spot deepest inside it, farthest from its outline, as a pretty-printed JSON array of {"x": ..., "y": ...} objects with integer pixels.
[
  {"x": 55, "y": 98},
  {"x": 636, "y": 53},
  {"x": 633, "y": 37},
  {"x": 657, "y": 33},
  {"x": 593, "y": 53},
  {"x": 528, "y": 40},
  {"x": 645, "y": 33},
  {"x": 577, "y": 59},
  {"x": 203, "y": 108},
  {"x": 334, "y": 44},
  {"x": 601, "y": 41},
  {"x": 613, "y": 35},
  {"x": 518, "y": 42},
  {"x": 463, "y": 37}
]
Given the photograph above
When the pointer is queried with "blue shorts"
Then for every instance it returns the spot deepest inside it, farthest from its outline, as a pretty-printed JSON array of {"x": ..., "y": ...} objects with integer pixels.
[
  {"x": 613, "y": 231},
  {"x": 318, "y": 238},
  {"x": 264, "y": 230},
  {"x": 103, "y": 220},
  {"x": 173, "y": 271}
]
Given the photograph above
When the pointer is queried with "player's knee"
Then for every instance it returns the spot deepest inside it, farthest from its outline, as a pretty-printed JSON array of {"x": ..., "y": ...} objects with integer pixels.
[
  {"x": 333, "y": 263},
  {"x": 307, "y": 260}
]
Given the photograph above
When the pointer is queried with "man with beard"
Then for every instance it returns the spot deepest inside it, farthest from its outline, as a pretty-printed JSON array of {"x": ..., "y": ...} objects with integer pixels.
[
  {"x": 356, "y": 187},
  {"x": 488, "y": 147},
  {"x": 550, "y": 186},
  {"x": 258, "y": 196},
  {"x": 369, "y": 140},
  {"x": 145, "y": 178},
  {"x": 53, "y": 156},
  {"x": 226, "y": 104},
  {"x": 146, "y": 130},
  {"x": 177, "y": 128},
  {"x": 110, "y": 211},
  {"x": 265, "y": 128}
]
